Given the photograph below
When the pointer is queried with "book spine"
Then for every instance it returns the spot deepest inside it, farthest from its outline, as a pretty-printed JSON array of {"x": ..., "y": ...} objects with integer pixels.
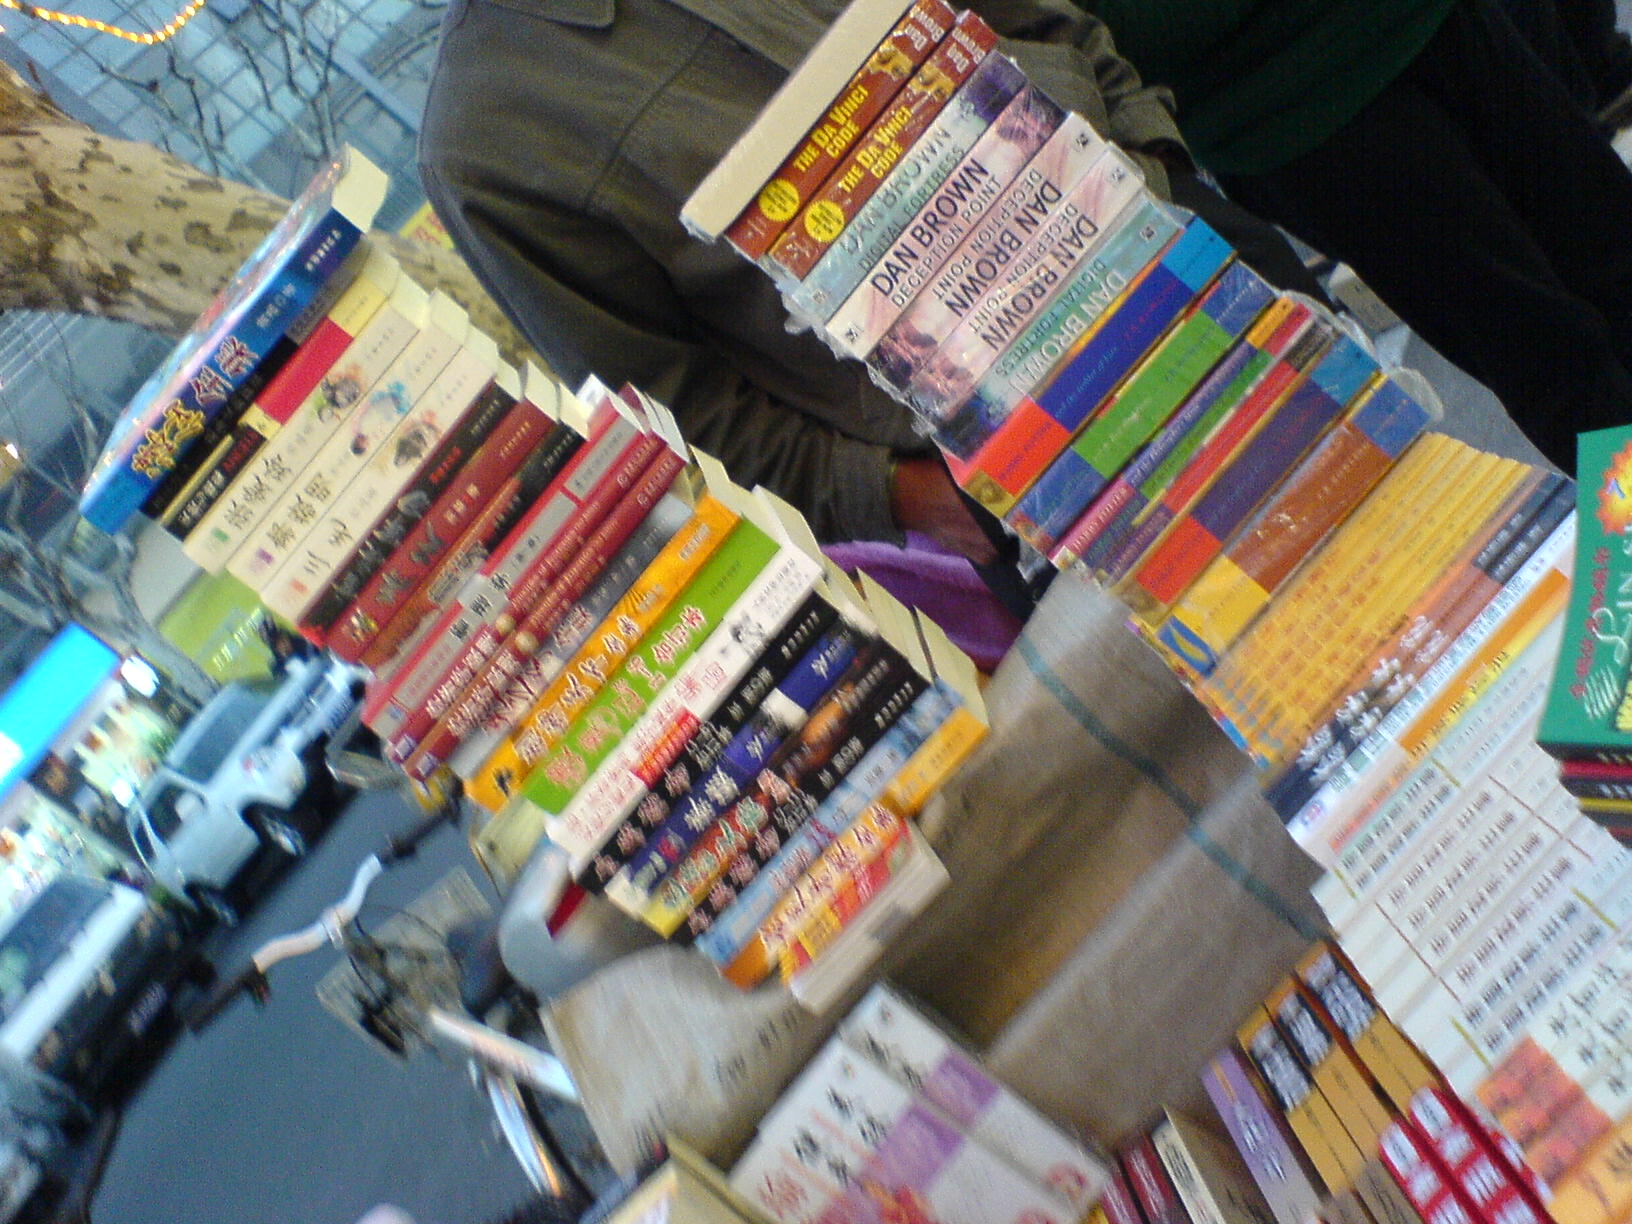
[
  {"x": 1414, "y": 1169},
  {"x": 1333, "y": 1070},
  {"x": 446, "y": 656},
  {"x": 1343, "y": 800},
  {"x": 879, "y": 830},
  {"x": 1143, "y": 404},
  {"x": 394, "y": 471},
  {"x": 1100, "y": 531},
  {"x": 498, "y": 425},
  {"x": 283, "y": 396},
  {"x": 1442, "y": 615},
  {"x": 597, "y": 551},
  {"x": 798, "y": 801},
  {"x": 1152, "y": 1186},
  {"x": 585, "y": 803},
  {"x": 1245, "y": 480},
  {"x": 842, "y": 726},
  {"x": 276, "y": 465},
  {"x": 835, "y": 656},
  {"x": 921, "y": 172},
  {"x": 967, "y": 194},
  {"x": 987, "y": 294},
  {"x": 1259, "y": 1133},
  {"x": 1190, "y": 1183},
  {"x": 854, "y": 108},
  {"x": 173, "y": 409},
  {"x": 428, "y": 569},
  {"x": 165, "y": 500},
  {"x": 1262, "y": 401},
  {"x": 1064, "y": 399},
  {"x": 735, "y": 912},
  {"x": 706, "y": 745},
  {"x": 1078, "y": 470},
  {"x": 1120, "y": 1204},
  {"x": 553, "y": 711},
  {"x": 865, "y": 887},
  {"x": 1344, "y": 467},
  {"x": 368, "y": 426},
  {"x": 864, "y": 168},
  {"x": 572, "y": 632}
]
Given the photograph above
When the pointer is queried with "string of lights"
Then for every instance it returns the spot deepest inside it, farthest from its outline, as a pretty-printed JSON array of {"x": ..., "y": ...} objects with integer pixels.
[{"x": 146, "y": 38}]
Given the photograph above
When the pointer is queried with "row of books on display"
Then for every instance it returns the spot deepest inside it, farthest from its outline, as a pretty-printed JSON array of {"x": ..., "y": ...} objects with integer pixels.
[
  {"x": 1370, "y": 609},
  {"x": 614, "y": 646}
]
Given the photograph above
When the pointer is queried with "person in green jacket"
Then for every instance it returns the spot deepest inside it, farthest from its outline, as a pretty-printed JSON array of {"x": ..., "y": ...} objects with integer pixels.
[{"x": 1428, "y": 145}]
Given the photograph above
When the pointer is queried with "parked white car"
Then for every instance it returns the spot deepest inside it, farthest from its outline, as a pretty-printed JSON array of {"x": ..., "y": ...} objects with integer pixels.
[{"x": 235, "y": 779}]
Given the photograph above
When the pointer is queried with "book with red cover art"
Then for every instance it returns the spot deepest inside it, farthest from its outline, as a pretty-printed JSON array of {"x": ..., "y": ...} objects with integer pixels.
[
  {"x": 1152, "y": 1187},
  {"x": 528, "y": 562},
  {"x": 861, "y": 101},
  {"x": 912, "y": 110}
]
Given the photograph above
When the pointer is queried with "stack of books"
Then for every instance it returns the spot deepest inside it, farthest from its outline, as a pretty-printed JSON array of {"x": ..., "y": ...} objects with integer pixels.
[
  {"x": 616, "y": 647},
  {"x": 1338, "y": 1117},
  {"x": 1370, "y": 609},
  {"x": 893, "y": 1120}
]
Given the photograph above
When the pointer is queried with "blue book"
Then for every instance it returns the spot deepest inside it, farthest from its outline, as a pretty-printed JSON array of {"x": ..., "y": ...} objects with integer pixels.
[{"x": 262, "y": 303}]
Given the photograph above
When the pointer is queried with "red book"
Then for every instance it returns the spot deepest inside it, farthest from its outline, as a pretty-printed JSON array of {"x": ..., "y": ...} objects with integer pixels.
[
  {"x": 467, "y": 713},
  {"x": 513, "y": 580},
  {"x": 1157, "y": 1196},
  {"x": 459, "y": 505},
  {"x": 864, "y": 169}
]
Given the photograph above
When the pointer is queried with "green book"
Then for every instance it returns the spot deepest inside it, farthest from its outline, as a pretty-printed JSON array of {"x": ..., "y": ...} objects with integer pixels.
[{"x": 1589, "y": 711}]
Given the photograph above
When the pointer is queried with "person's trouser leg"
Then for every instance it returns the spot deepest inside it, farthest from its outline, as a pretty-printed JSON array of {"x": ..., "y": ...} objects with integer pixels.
[
  {"x": 1405, "y": 196},
  {"x": 1604, "y": 49}
]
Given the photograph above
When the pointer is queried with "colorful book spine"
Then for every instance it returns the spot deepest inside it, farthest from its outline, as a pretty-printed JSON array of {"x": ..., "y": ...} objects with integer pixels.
[
  {"x": 1245, "y": 480},
  {"x": 1213, "y": 446},
  {"x": 793, "y": 782},
  {"x": 1307, "y": 1112},
  {"x": 874, "y": 836},
  {"x": 735, "y": 911},
  {"x": 337, "y": 390},
  {"x": 463, "y": 635},
  {"x": 1422, "y": 1177},
  {"x": 1144, "y": 402},
  {"x": 252, "y": 312},
  {"x": 818, "y": 226},
  {"x": 1346, "y": 796},
  {"x": 861, "y": 100},
  {"x": 1118, "y": 1201},
  {"x": 1337, "y": 1077},
  {"x": 1058, "y": 406},
  {"x": 426, "y": 572},
  {"x": 1095, "y": 536},
  {"x": 368, "y": 427},
  {"x": 1398, "y": 1068},
  {"x": 572, "y": 632},
  {"x": 294, "y": 381},
  {"x": 705, "y": 745},
  {"x": 393, "y": 469},
  {"x": 1429, "y": 629},
  {"x": 1152, "y": 1186},
  {"x": 1344, "y": 466},
  {"x": 797, "y": 803},
  {"x": 1131, "y": 242},
  {"x": 781, "y": 712},
  {"x": 514, "y": 650},
  {"x": 925, "y": 167},
  {"x": 992, "y": 293},
  {"x": 1066, "y": 482},
  {"x": 553, "y": 711},
  {"x": 591, "y": 784},
  {"x": 347, "y": 616},
  {"x": 964, "y": 196}
]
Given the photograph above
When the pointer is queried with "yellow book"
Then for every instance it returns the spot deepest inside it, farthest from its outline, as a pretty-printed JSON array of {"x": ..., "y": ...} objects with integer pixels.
[
  {"x": 505, "y": 769},
  {"x": 1333, "y": 1069},
  {"x": 1310, "y": 1115}
]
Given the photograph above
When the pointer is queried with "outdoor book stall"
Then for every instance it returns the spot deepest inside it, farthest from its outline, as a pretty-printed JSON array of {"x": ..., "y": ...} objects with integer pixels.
[{"x": 1286, "y": 689}]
